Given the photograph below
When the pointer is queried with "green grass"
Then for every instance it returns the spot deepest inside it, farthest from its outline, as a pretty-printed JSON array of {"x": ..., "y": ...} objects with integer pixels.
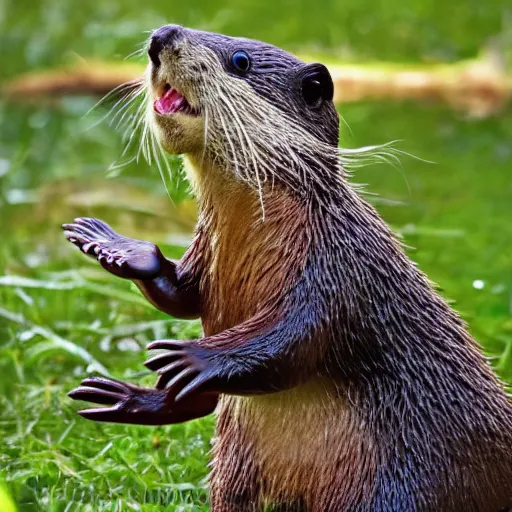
[
  {"x": 50, "y": 457},
  {"x": 62, "y": 318}
]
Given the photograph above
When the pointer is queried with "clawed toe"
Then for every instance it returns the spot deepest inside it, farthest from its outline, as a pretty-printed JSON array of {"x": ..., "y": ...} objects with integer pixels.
[
  {"x": 108, "y": 384},
  {"x": 175, "y": 382},
  {"x": 162, "y": 361},
  {"x": 108, "y": 414},
  {"x": 165, "y": 344},
  {"x": 96, "y": 396},
  {"x": 100, "y": 390}
]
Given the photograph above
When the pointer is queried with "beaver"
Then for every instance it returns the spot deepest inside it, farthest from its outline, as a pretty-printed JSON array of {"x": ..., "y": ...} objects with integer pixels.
[{"x": 341, "y": 379}]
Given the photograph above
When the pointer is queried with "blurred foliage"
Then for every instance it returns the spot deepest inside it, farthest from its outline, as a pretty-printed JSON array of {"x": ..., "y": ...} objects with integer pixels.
[
  {"x": 6, "y": 503},
  {"x": 61, "y": 316}
]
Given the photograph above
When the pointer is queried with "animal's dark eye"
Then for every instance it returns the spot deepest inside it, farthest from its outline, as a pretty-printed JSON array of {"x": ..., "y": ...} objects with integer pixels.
[
  {"x": 312, "y": 91},
  {"x": 317, "y": 86},
  {"x": 241, "y": 61}
]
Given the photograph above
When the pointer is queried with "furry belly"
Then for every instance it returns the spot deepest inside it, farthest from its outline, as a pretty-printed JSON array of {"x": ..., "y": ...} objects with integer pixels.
[{"x": 305, "y": 444}]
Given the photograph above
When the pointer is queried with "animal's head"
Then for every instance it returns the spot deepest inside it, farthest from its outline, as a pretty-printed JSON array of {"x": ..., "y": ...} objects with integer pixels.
[{"x": 249, "y": 106}]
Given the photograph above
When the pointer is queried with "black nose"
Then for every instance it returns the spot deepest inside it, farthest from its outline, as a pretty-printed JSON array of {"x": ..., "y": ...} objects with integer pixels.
[{"x": 162, "y": 37}]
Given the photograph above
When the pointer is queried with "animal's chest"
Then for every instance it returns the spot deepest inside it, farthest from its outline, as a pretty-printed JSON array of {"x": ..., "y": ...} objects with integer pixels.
[{"x": 249, "y": 261}]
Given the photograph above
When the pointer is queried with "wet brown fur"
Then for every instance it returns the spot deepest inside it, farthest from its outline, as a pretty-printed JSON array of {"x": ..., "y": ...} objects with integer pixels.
[
  {"x": 347, "y": 383},
  {"x": 272, "y": 449},
  {"x": 331, "y": 443},
  {"x": 248, "y": 267},
  {"x": 251, "y": 262}
]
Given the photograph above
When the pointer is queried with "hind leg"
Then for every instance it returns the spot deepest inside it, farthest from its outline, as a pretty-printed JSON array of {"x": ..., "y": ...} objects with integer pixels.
[
  {"x": 248, "y": 499},
  {"x": 235, "y": 483},
  {"x": 224, "y": 498}
]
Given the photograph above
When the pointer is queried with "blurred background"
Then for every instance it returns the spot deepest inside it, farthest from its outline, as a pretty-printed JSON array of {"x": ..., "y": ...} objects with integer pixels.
[{"x": 62, "y": 318}]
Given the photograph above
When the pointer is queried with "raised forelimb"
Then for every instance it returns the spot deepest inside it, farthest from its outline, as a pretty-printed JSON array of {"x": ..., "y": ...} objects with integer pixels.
[
  {"x": 270, "y": 352},
  {"x": 132, "y": 404},
  {"x": 171, "y": 287}
]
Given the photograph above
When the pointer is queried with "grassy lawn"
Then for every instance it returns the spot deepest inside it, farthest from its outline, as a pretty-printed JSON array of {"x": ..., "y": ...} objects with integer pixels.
[{"x": 63, "y": 318}]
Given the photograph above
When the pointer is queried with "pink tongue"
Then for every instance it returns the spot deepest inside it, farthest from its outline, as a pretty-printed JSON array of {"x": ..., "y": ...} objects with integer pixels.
[{"x": 170, "y": 102}]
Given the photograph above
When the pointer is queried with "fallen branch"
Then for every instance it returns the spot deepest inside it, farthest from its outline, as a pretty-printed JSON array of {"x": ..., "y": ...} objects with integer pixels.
[{"x": 478, "y": 87}]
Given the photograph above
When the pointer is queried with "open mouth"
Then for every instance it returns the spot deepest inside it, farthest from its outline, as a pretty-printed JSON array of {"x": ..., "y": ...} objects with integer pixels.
[{"x": 172, "y": 102}]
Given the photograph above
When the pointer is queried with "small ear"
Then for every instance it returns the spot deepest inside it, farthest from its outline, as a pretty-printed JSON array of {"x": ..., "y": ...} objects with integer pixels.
[{"x": 316, "y": 84}]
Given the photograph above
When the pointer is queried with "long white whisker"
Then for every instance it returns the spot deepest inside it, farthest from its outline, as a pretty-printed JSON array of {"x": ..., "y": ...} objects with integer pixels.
[
  {"x": 125, "y": 108},
  {"x": 132, "y": 84},
  {"x": 137, "y": 52},
  {"x": 135, "y": 128},
  {"x": 128, "y": 97},
  {"x": 205, "y": 135},
  {"x": 252, "y": 152},
  {"x": 163, "y": 157},
  {"x": 230, "y": 142}
]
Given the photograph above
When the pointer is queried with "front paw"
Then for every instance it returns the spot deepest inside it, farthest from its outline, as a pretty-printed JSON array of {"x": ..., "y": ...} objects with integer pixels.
[
  {"x": 128, "y": 403},
  {"x": 184, "y": 367},
  {"x": 121, "y": 256}
]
